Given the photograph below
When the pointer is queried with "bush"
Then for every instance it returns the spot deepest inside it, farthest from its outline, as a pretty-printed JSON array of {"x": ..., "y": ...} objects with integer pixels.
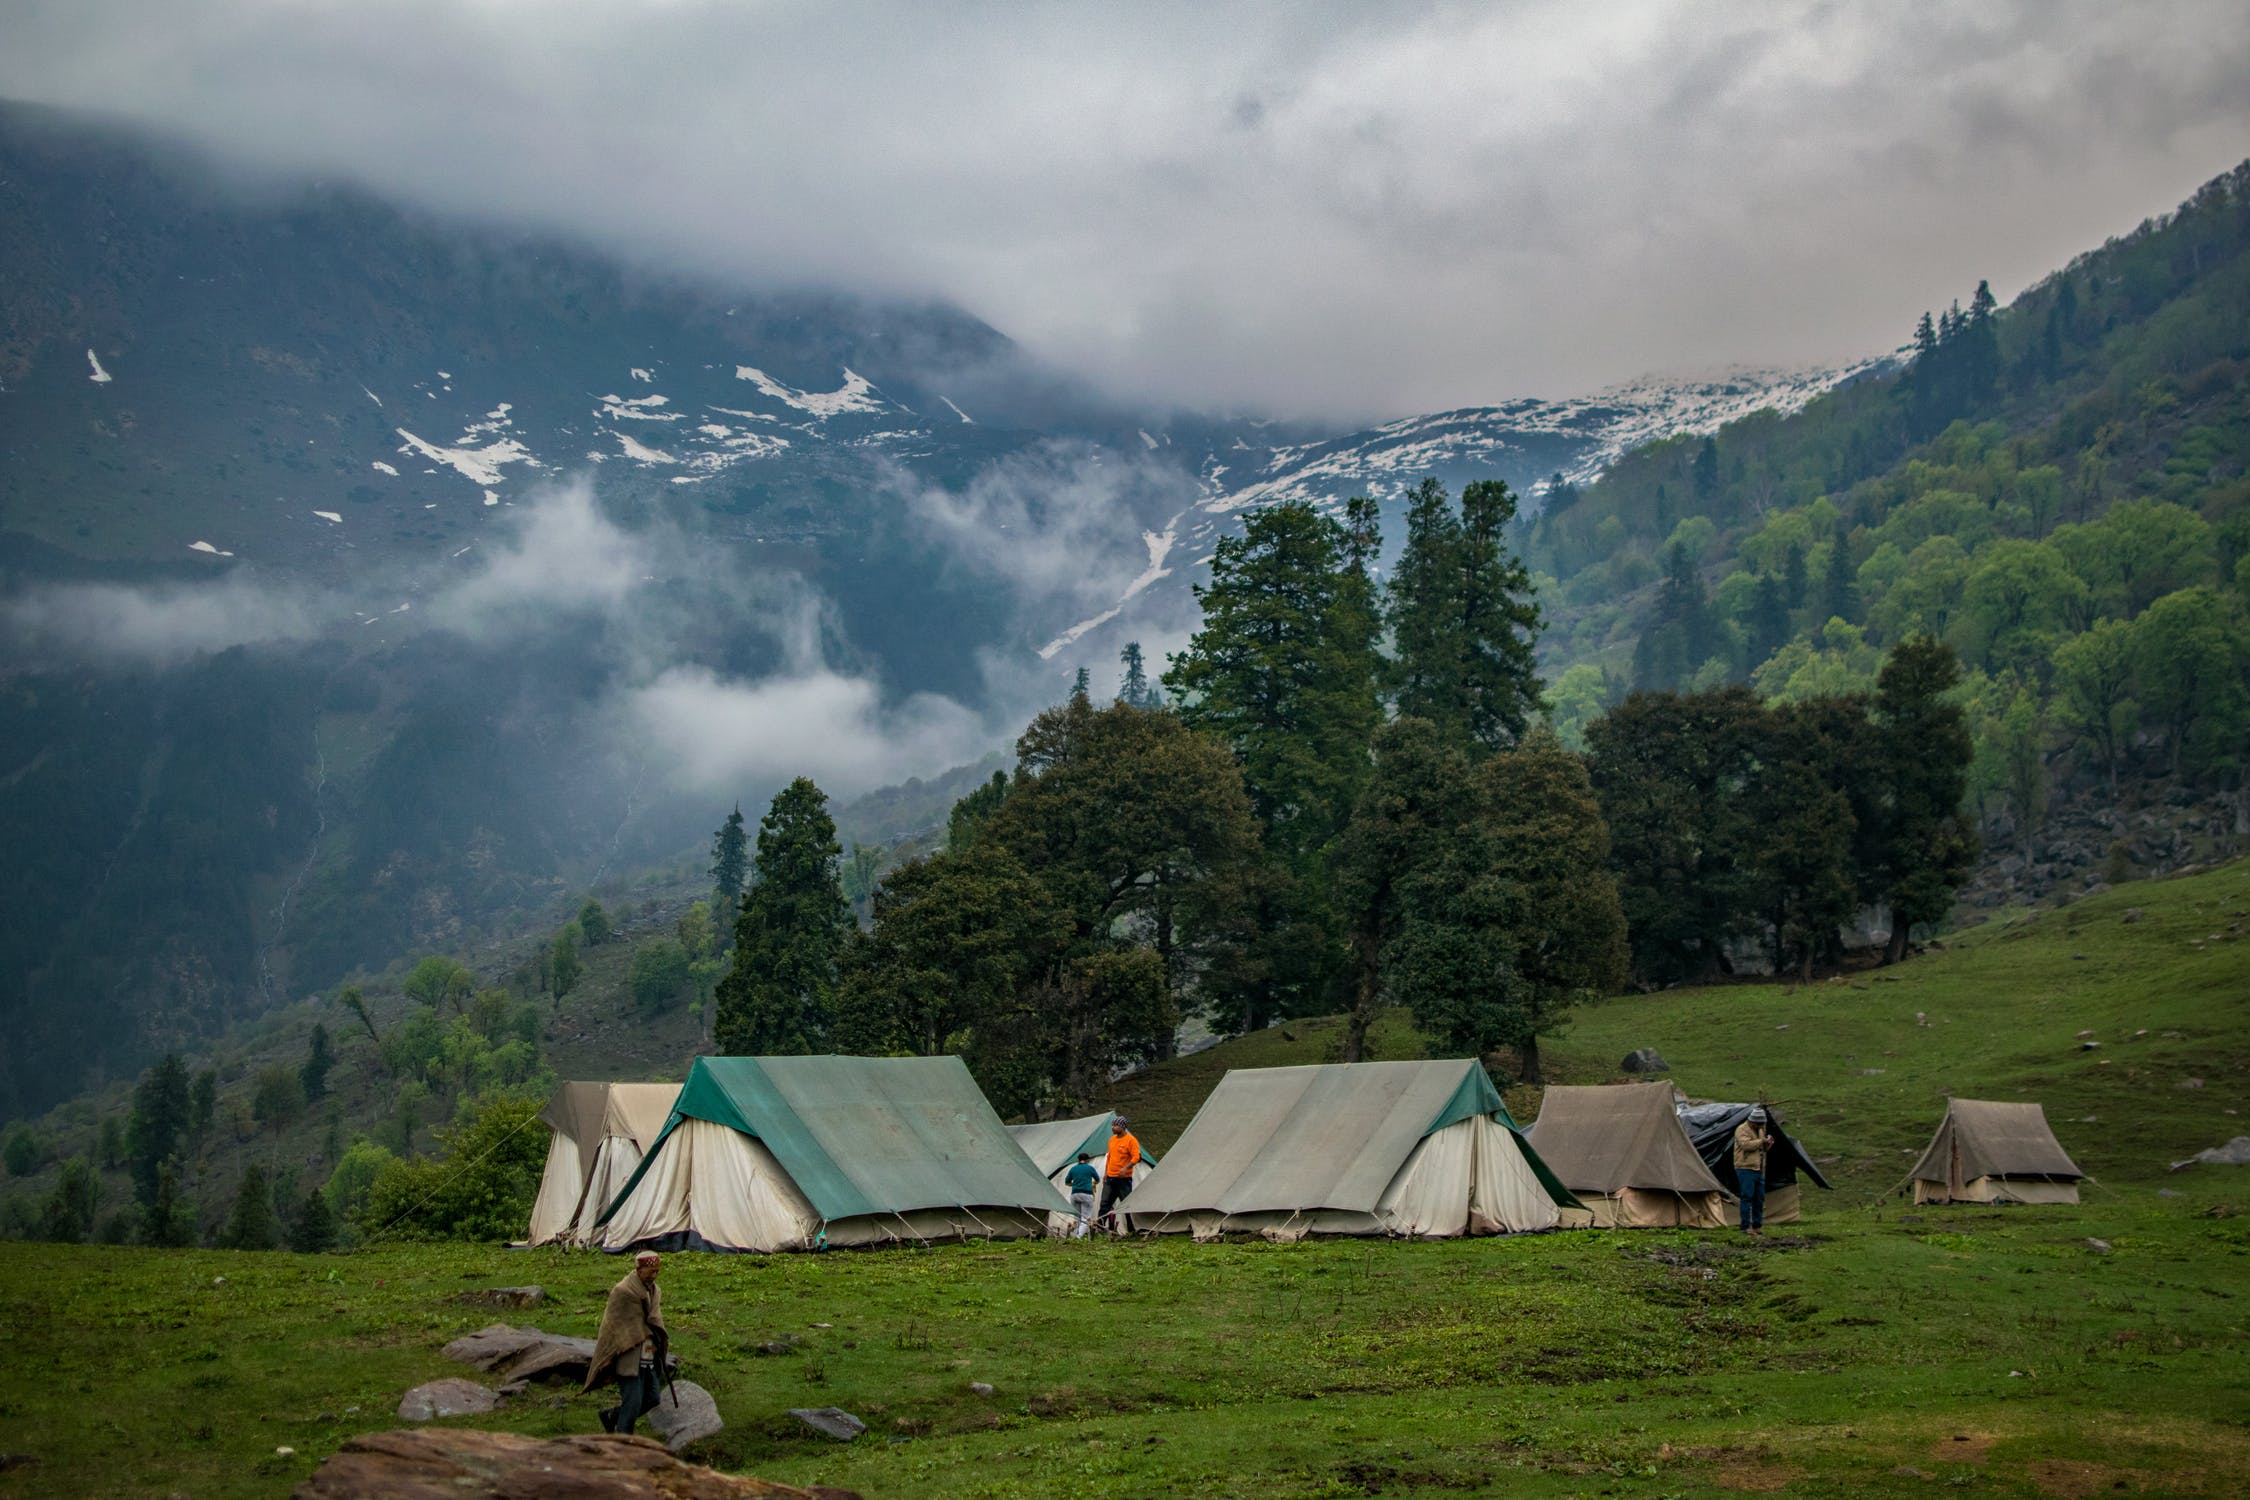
[
  {"x": 251, "y": 1226},
  {"x": 279, "y": 1096},
  {"x": 659, "y": 975},
  {"x": 26, "y": 1153},
  {"x": 593, "y": 923},
  {"x": 481, "y": 1189},
  {"x": 354, "y": 1177}
]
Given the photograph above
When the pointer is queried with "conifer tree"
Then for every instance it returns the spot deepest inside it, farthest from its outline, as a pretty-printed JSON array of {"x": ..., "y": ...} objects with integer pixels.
[
  {"x": 1923, "y": 848},
  {"x": 1499, "y": 623},
  {"x": 318, "y": 1060},
  {"x": 1078, "y": 684},
  {"x": 203, "y": 1106},
  {"x": 779, "y": 997},
  {"x": 160, "y": 1120},
  {"x": 68, "y": 1214},
  {"x": 168, "y": 1218},
  {"x": 251, "y": 1226},
  {"x": 1425, "y": 608},
  {"x": 314, "y": 1228},
  {"x": 730, "y": 863},
  {"x": 1132, "y": 690},
  {"x": 1839, "y": 589}
]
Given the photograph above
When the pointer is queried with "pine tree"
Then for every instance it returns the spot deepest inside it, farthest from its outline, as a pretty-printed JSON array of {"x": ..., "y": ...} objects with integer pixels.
[
  {"x": 160, "y": 1120},
  {"x": 1283, "y": 673},
  {"x": 1363, "y": 537},
  {"x": 1839, "y": 589},
  {"x": 1424, "y": 606},
  {"x": 779, "y": 996},
  {"x": 1769, "y": 620},
  {"x": 1550, "y": 844},
  {"x": 68, "y": 1214},
  {"x": 203, "y": 1106},
  {"x": 314, "y": 1228},
  {"x": 111, "y": 1151},
  {"x": 1078, "y": 684},
  {"x": 318, "y": 1060},
  {"x": 251, "y": 1226},
  {"x": 730, "y": 862},
  {"x": 969, "y": 814},
  {"x": 1923, "y": 849},
  {"x": 1705, "y": 474},
  {"x": 167, "y": 1218},
  {"x": 563, "y": 965},
  {"x": 1796, "y": 585},
  {"x": 1132, "y": 690},
  {"x": 1499, "y": 623}
]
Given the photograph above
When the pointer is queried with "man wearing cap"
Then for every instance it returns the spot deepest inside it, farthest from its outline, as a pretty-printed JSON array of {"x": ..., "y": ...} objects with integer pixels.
[
  {"x": 630, "y": 1344},
  {"x": 1117, "y": 1174},
  {"x": 1751, "y": 1143}
]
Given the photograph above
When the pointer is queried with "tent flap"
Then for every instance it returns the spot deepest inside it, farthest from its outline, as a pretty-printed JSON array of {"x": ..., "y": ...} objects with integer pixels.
[{"x": 1607, "y": 1138}]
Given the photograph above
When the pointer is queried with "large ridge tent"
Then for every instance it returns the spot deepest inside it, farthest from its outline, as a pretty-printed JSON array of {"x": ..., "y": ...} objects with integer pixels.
[
  {"x": 600, "y": 1131},
  {"x": 1711, "y": 1128},
  {"x": 789, "y": 1153},
  {"x": 1623, "y": 1151},
  {"x": 1053, "y": 1145},
  {"x": 1988, "y": 1152},
  {"x": 1398, "y": 1148}
]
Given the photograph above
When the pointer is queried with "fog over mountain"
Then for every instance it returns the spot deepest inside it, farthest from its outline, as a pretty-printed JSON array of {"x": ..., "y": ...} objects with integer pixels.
[{"x": 1331, "y": 210}]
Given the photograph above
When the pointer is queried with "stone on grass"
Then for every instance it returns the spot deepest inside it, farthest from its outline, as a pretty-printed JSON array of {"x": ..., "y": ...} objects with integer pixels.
[
  {"x": 493, "y": 1344},
  {"x": 979, "y": 1388},
  {"x": 2132, "y": 914},
  {"x": 2099, "y": 1247},
  {"x": 555, "y": 1357},
  {"x": 831, "y": 1421},
  {"x": 1645, "y": 1060},
  {"x": 2235, "y": 1153},
  {"x": 506, "y": 1296},
  {"x": 450, "y": 1397},
  {"x": 2189, "y": 1083},
  {"x": 694, "y": 1417},
  {"x": 466, "y": 1464}
]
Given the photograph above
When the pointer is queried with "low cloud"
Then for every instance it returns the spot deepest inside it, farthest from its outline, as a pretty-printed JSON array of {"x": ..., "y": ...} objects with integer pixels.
[
  {"x": 156, "y": 624},
  {"x": 563, "y": 557},
  {"x": 721, "y": 734}
]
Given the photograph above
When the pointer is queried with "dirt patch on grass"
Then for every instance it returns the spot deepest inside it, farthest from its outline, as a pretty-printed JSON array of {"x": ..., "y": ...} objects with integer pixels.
[
  {"x": 2077, "y": 1479},
  {"x": 1754, "y": 1474},
  {"x": 1963, "y": 1448}
]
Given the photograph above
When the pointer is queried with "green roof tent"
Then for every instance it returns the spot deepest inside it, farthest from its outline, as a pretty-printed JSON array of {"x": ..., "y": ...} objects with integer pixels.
[
  {"x": 1053, "y": 1145},
  {"x": 793, "y": 1153},
  {"x": 1421, "y": 1149}
]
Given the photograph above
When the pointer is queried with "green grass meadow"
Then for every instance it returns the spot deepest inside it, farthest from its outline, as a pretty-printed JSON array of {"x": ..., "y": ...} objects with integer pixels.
[{"x": 1873, "y": 1349}]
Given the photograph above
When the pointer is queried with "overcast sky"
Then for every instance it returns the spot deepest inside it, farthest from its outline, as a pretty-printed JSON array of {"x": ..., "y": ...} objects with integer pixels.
[{"x": 1349, "y": 210}]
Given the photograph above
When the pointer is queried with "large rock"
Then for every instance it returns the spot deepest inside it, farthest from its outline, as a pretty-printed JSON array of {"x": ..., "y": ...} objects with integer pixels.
[
  {"x": 505, "y": 1296},
  {"x": 450, "y": 1397},
  {"x": 465, "y": 1464},
  {"x": 1645, "y": 1060},
  {"x": 833, "y": 1421},
  {"x": 2235, "y": 1153},
  {"x": 492, "y": 1345},
  {"x": 694, "y": 1417},
  {"x": 555, "y": 1357}
]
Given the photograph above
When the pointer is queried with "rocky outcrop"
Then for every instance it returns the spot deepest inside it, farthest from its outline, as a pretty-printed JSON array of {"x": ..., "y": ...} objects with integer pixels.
[
  {"x": 525, "y": 1353},
  {"x": 686, "y": 1413},
  {"x": 2088, "y": 839},
  {"x": 465, "y": 1464}
]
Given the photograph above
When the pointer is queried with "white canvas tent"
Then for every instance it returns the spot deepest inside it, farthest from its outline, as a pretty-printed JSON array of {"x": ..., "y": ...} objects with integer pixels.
[
  {"x": 600, "y": 1131},
  {"x": 1053, "y": 1145},
  {"x": 793, "y": 1153},
  {"x": 1991, "y": 1152},
  {"x": 1622, "y": 1150},
  {"x": 1395, "y": 1148}
]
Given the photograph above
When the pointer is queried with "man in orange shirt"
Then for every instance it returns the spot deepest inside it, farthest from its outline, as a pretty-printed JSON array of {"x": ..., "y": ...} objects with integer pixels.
[{"x": 1117, "y": 1174}]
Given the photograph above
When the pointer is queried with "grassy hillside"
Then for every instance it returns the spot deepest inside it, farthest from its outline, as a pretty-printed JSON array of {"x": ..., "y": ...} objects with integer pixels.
[
  {"x": 1883, "y": 1350},
  {"x": 1863, "y": 1063}
]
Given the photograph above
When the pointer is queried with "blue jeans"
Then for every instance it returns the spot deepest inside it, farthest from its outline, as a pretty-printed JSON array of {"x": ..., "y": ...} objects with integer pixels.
[{"x": 1752, "y": 1197}]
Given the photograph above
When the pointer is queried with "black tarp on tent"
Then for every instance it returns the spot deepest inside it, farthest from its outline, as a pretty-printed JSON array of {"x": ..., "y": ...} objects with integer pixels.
[{"x": 1711, "y": 1127}]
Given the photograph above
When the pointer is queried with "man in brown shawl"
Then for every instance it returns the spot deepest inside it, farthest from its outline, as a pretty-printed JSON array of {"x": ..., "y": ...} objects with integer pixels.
[{"x": 631, "y": 1341}]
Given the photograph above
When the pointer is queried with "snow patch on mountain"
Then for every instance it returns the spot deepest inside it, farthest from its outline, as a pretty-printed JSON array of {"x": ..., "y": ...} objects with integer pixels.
[
  {"x": 382, "y": 467},
  {"x": 100, "y": 375},
  {"x": 637, "y": 409},
  {"x": 641, "y": 454},
  {"x": 481, "y": 466},
  {"x": 857, "y": 393}
]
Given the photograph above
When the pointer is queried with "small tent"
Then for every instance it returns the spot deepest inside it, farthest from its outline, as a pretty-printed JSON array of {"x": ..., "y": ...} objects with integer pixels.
[
  {"x": 1623, "y": 1152},
  {"x": 1053, "y": 1145},
  {"x": 1400, "y": 1148},
  {"x": 1711, "y": 1127},
  {"x": 600, "y": 1131},
  {"x": 1988, "y": 1152},
  {"x": 791, "y": 1153}
]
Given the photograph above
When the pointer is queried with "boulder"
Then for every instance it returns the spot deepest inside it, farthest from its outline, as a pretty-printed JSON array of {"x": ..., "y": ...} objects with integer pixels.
[
  {"x": 830, "y": 1421},
  {"x": 1645, "y": 1060},
  {"x": 465, "y": 1464},
  {"x": 494, "y": 1344},
  {"x": 450, "y": 1397},
  {"x": 979, "y": 1388},
  {"x": 2235, "y": 1153},
  {"x": 505, "y": 1296},
  {"x": 555, "y": 1357},
  {"x": 693, "y": 1418}
]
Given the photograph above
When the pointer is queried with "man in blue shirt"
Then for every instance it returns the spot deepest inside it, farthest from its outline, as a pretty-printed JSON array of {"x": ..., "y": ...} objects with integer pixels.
[{"x": 1080, "y": 1180}]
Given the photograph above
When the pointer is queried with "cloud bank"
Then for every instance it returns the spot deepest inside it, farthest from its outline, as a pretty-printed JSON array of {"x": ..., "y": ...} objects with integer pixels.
[{"x": 1317, "y": 209}]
